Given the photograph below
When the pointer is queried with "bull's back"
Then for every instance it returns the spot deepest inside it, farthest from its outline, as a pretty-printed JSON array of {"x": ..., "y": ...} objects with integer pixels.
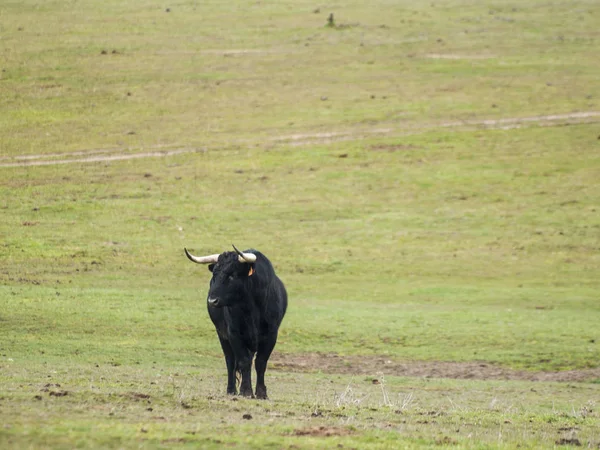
[{"x": 275, "y": 295}]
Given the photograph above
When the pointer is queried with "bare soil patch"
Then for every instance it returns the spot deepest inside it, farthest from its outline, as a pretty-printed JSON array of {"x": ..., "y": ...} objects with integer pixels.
[
  {"x": 137, "y": 396},
  {"x": 569, "y": 441},
  {"x": 322, "y": 431},
  {"x": 300, "y": 139},
  {"x": 392, "y": 147},
  {"x": 242, "y": 51},
  {"x": 371, "y": 365},
  {"x": 457, "y": 57},
  {"x": 58, "y": 393}
]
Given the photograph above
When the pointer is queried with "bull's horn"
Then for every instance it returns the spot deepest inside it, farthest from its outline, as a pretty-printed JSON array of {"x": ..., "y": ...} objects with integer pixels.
[
  {"x": 210, "y": 259},
  {"x": 245, "y": 257}
]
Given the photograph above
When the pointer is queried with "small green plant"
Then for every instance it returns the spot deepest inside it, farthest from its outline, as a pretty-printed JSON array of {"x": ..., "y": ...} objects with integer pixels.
[{"x": 330, "y": 21}]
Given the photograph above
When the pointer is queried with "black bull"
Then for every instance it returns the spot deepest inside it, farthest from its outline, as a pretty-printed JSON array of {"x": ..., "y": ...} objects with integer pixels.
[{"x": 246, "y": 303}]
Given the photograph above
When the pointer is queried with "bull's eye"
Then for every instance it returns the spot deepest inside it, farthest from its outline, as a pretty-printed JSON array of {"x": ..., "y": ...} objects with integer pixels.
[{"x": 230, "y": 277}]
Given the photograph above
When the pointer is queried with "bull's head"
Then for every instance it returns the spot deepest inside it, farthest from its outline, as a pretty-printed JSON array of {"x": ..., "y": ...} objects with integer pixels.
[{"x": 230, "y": 271}]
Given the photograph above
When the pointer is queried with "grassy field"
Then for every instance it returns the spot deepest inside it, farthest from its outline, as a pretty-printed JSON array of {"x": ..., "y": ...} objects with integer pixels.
[{"x": 423, "y": 176}]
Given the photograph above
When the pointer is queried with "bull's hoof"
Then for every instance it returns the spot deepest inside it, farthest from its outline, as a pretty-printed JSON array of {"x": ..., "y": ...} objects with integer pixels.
[
  {"x": 261, "y": 393},
  {"x": 247, "y": 393}
]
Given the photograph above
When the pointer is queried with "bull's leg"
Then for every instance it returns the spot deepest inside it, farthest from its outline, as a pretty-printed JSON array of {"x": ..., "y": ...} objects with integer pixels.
[
  {"x": 243, "y": 364},
  {"x": 230, "y": 361},
  {"x": 262, "y": 356}
]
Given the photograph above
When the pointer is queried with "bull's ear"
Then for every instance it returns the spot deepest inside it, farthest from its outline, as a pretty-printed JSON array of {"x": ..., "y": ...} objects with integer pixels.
[
  {"x": 211, "y": 267},
  {"x": 252, "y": 270}
]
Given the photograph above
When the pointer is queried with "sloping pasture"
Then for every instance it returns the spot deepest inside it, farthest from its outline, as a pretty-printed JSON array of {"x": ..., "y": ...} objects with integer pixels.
[{"x": 424, "y": 177}]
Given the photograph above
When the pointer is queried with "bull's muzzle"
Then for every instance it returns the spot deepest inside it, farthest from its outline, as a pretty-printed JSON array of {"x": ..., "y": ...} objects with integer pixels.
[{"x": 214, "y": 302}]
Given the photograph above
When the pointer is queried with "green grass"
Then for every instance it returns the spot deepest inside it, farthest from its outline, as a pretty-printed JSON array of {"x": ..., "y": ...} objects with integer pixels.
[
  {"x": 329, "y": 149},
  {"x": 212, "y": 74}
]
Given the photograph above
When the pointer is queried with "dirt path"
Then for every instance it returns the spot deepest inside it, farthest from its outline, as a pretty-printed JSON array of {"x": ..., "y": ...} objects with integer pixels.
[
  {"x": 119, "y": 154},
  {"x": 516, "y": 122},
  {"x": 91, "y": 156},
  {"x": 371, "y": 365},
  {"x": 503, "y": 124}
]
